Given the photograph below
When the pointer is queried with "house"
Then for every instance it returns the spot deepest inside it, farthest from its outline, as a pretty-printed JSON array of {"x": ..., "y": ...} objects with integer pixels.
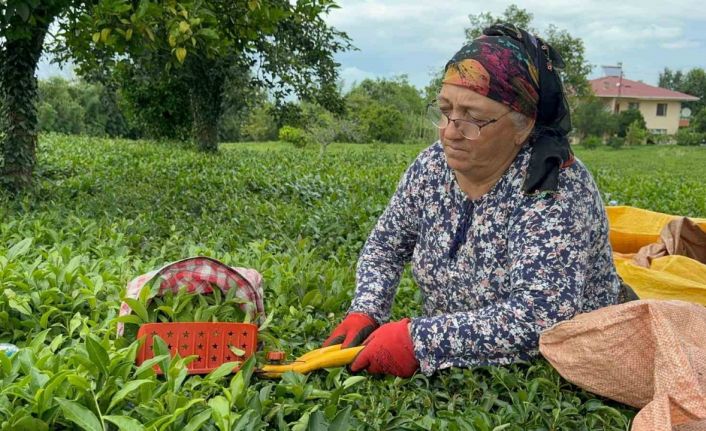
[{"x": 661, "y": 108}]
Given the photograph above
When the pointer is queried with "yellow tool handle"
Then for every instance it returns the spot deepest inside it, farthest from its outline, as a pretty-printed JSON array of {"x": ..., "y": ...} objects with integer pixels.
[
  {"x": 327, "y": 357},
  {"x": 318, "y": 352}
]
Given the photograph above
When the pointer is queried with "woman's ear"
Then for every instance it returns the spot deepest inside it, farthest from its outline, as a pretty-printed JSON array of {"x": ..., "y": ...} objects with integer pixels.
[{"x": 524, "y": 132}]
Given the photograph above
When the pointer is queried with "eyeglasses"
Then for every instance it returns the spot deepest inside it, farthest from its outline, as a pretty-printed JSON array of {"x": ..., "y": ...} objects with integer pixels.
[{"x": 470, "y": 129}]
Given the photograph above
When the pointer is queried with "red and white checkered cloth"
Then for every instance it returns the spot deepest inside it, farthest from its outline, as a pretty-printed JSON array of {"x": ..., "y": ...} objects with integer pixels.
[{"x": 197, "y": 274}]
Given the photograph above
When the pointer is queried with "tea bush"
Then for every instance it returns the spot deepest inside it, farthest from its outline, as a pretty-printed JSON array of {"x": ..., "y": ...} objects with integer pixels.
[{"x": 105, "y": 211}]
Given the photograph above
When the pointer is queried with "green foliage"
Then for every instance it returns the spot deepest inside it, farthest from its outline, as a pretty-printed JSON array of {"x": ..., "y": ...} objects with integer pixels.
[
  {"x": 591, "y": 118},
  {"x": 692, "y": 82},
  {"x": 636, "y": 134},
  {"x": 260, "y": 124},
  {"x": 294, "y": 136},
  {"x": 616, "y": 142},
  {"x": 387, "y": 110},
  {"x": 384, "y": 123},
  {"x": 628, "y": 117},
  {"x": 155, "y": 108},
  {"x": 79, "y": 108},
  {"x": 592, "y": 142},
  {"x": 106, "y": 211},
  {"x": 690, "y": 137},
  {"x": 201, "y": 46},
  {"x": 658, "y": 139},
  {"x": 698, "y": 122}
]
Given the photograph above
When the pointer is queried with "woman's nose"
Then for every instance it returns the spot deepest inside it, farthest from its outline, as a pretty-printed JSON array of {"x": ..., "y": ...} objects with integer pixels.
[{"x": 451, "y": 131}]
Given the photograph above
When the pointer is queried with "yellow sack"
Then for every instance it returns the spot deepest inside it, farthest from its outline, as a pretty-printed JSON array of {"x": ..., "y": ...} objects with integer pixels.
[
  {"x": 668, "y": 277},
  {"x": 633, "y": 228}
]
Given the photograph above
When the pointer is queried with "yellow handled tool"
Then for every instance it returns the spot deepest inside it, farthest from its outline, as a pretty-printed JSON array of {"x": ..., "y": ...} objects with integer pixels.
[{"x": 325, "y": 357}]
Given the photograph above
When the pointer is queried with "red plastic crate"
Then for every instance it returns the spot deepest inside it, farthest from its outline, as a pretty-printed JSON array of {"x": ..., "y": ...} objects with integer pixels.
[{"x": 209, "y": 340}]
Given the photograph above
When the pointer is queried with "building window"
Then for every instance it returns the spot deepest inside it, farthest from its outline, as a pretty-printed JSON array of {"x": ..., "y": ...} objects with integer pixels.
[
  {"x": 658, "y": 131},
  {"x": 634, "y": 105},
  {"x": 661, "y": 109}
]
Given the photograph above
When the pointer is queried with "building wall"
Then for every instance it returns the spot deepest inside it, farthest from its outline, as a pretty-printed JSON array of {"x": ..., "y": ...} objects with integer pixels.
[{"x": 668, "y": 124}]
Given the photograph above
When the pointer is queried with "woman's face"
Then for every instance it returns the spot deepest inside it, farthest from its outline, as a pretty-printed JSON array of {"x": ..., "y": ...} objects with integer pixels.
[{"x": 497, "y": 142}]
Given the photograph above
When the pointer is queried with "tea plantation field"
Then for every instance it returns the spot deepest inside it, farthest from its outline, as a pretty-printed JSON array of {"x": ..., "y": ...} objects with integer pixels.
[{"x": 106, "y": 211}]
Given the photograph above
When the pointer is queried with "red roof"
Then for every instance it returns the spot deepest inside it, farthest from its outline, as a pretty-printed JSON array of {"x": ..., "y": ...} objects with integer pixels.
[{"x": 608, "y": 87}]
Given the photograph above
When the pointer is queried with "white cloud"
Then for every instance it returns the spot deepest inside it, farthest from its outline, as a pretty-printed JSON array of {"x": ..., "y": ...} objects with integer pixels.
[
  {"x": 681, "y": 44},
  {"x": 351, "y": 75}
]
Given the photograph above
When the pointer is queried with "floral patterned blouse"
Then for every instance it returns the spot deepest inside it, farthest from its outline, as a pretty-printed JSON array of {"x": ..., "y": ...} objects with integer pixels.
[{"x": 495, "y": 271}]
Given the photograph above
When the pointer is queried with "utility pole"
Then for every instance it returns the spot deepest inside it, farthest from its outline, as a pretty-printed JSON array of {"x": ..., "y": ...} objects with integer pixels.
[{"x": 620, "y": 88}]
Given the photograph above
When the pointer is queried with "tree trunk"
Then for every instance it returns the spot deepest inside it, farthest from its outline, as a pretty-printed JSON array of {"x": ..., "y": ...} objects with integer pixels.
[
  {"x": 206, "y": 93},
  {"x": 18, "y": 114}
]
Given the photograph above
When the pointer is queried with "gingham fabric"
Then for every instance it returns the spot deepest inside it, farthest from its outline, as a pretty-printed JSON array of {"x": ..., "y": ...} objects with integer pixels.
[{"x": 198, "y": 274}]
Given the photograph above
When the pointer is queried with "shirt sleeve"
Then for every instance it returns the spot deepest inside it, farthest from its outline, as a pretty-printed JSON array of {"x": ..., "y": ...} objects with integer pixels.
[
  {"x": 548, "y": 247},
  {"x": 388, "y": 248}
]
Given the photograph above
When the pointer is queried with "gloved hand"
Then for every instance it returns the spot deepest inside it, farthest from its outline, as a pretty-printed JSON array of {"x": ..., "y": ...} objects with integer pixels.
[
  {"x": 389, "y": 350},
  {"x": 351, "y": 332}
]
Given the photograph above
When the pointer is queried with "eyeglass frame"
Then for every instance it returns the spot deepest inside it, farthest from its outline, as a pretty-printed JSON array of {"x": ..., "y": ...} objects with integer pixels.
[{"x": 434, "y": 104}]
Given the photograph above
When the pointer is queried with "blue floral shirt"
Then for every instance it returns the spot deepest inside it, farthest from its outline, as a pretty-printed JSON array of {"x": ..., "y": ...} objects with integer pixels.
[{"x": 520, "y": 263}]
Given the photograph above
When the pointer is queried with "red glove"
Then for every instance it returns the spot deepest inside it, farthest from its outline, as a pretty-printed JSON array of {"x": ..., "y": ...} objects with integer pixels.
[
  {"x": 352, "y": 330},
  {"x": 389, "y": 350}
]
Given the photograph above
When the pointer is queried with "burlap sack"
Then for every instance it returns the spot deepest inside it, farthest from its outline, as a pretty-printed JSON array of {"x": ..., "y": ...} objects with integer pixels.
[{"x": 649, "y": 354}]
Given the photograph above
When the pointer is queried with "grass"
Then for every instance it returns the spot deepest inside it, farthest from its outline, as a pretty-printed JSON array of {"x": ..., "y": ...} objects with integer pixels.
[{"x": 105, "y": 211}]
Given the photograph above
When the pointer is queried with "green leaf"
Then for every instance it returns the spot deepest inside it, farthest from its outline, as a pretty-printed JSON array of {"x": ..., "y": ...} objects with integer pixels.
[
  {"x": 148, "y": 364},
  {"x": 342, "y": 420},
  {"x": 317, "y": 422},
  {"x": 125, "y": 423},
  {"x": 129, "y": 387},
  {"x": 237, "y": 351},
  {"x": 198, "y": 420},
  {"x": 5, "y": 364},
  {"x": 162, "y": 350},
  {"x": 23, "y": 11},
  {"x": 138, "y": 308},
  {"x": 222, "y": 371},
  {"x": 353, "y": 380},
  {"x": 79, "y": 415},
  {"x": 23, "y": 246},
  {"x": 220, "y": 409},
  {"x": 208, "y": 33},
  {"x": 97, "y": 354}
]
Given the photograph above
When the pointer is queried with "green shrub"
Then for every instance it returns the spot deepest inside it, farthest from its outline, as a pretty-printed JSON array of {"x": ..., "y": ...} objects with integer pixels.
[
  {"x": 294, "y": 136},
  {"x": 616, "y": 142},
  {"x": 384, "y": 123},
  {"x": 626, "y": 118},
  {"x": 636, "y": 134},
  {"x": 591, "y": 142},
  {"x": 260, "y": 125},
  {"x": 689, "y": 137}
]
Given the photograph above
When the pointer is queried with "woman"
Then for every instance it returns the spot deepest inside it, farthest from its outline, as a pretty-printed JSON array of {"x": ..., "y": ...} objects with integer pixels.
[{"x": 505, "y": 229}]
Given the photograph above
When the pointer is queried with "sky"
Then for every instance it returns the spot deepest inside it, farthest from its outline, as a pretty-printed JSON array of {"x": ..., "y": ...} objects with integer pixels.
[{"x": 414, "y": 38}]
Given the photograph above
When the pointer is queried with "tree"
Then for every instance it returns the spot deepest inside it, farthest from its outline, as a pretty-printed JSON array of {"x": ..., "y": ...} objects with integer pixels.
[
  {"x": 58, "y": 109},
  {"x": 591, "y": 118},
  {"x": 670, "y": 79},
  {"x": 23, "y": 26},
  {"x": 693, "y": 82},
  {"x": 399, "y": 102},
  {"x": 204, "y": 44},
  {"x": 576, "y": 71},
  {"x": 698, "y": 122}
]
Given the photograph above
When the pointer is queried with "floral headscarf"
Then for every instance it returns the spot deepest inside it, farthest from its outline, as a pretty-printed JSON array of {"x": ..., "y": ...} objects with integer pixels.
[{"x": 515, "y": 68}]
